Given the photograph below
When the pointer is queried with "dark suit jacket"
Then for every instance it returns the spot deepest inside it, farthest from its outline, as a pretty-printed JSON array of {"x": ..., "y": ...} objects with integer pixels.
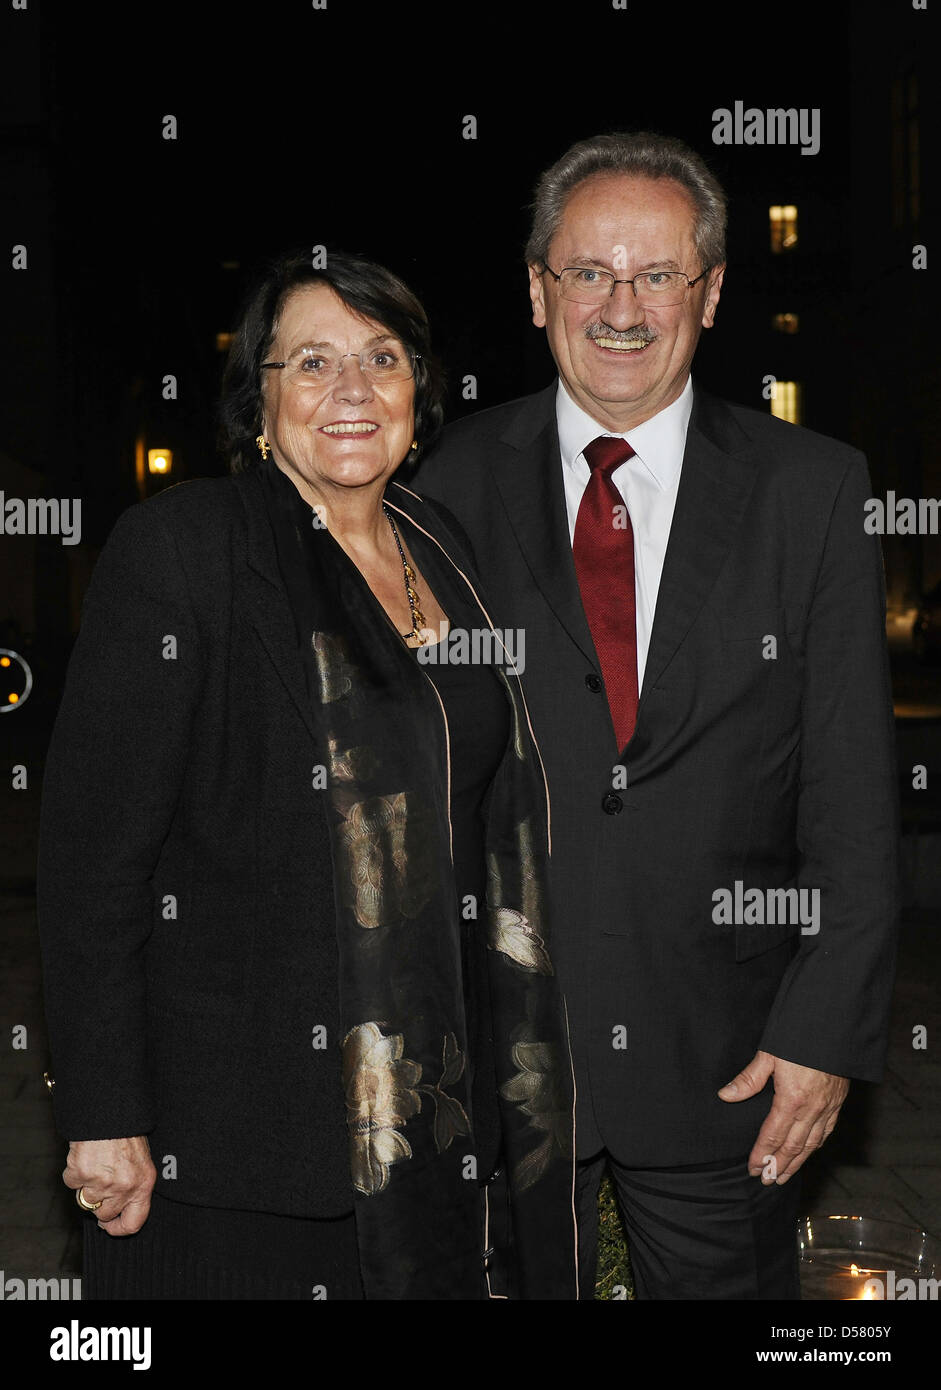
[
  {"x": 771, "y": 772},
  {"x": 185, "y": 879}
]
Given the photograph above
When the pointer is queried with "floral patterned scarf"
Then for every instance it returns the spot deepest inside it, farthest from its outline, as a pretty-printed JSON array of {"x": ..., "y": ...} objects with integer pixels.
[{"x": 422, "y": 1216}]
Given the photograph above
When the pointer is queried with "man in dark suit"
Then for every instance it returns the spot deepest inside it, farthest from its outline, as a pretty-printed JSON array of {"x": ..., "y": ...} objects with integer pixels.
[{"x": 707, "y": 679}]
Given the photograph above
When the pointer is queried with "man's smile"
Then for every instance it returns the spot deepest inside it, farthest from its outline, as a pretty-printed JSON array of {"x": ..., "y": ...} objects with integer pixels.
[{"x": 623, "y": 344}]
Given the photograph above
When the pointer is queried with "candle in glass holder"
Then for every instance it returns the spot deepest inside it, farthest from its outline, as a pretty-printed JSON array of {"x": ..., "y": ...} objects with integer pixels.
[{"x": 856, "y": 1283}]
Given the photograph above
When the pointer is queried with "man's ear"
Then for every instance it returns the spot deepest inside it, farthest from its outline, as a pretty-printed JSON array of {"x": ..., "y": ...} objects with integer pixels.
[
  {"x": 536, "y": 284},
  {"x": 711, "y": 303}
]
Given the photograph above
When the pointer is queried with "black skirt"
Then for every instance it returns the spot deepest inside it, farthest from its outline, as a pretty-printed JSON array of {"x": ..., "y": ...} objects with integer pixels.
[{"x": 187, "y": 1252}]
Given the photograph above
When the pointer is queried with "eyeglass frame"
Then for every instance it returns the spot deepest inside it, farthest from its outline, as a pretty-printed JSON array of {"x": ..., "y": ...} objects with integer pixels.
[
  {"x": 413, "y": 357},
  {"x": 615, "y": 282}
]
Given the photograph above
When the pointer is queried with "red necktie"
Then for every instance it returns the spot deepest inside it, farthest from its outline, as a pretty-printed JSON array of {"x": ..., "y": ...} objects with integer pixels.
[{"x": 603, "y": 550}]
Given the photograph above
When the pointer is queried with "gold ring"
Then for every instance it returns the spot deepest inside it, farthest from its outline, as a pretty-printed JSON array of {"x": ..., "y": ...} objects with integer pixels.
[{"x": 87, "y": 1206}]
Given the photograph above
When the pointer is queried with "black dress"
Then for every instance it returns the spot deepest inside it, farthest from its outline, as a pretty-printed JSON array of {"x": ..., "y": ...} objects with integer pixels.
[
  {"x": 478, "y": 729},
  {"x": 190, "y": 1252}
]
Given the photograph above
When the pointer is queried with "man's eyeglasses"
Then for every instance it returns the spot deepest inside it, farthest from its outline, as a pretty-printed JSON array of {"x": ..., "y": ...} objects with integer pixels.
[
  {"x": 654, "y": 289},
  {"x": 388, "y": 363}
]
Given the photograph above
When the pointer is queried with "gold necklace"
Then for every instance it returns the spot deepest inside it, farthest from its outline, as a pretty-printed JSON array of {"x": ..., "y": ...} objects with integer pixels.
[{"x": 418, "y": 618}]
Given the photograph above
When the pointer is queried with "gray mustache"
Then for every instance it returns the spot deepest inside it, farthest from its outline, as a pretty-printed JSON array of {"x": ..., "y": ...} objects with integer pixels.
[{"x": 641, "y": 332}]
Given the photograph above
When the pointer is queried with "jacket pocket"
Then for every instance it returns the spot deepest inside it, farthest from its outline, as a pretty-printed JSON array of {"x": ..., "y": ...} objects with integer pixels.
[{"x": 780, "y": 912}]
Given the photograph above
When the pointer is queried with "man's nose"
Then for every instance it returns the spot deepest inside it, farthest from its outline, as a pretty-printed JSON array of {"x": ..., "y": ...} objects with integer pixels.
[
  {"x": 622, "y": 310},
  {"x": 352, "y": 384}
]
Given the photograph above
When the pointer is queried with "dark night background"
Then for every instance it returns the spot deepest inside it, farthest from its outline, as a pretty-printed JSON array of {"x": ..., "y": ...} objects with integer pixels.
[{"x": 343, "y": 127}]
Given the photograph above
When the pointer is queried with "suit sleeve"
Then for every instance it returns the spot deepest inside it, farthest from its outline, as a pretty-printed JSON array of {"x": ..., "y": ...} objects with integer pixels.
[
  {"x": 113, "y": 776},
  {"x": 831, "y": 1010}
]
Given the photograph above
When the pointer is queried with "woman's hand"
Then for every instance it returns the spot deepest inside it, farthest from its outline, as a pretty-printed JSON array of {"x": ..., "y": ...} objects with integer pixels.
[{"x": 117, "y": 1172}]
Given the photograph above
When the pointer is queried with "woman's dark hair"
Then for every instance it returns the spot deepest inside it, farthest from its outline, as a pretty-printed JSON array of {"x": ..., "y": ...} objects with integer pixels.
[{"x": 367, "y": 289}]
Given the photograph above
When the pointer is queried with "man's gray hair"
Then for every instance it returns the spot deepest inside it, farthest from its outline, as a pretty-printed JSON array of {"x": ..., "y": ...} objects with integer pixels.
[{"x": 640, "y": 153}]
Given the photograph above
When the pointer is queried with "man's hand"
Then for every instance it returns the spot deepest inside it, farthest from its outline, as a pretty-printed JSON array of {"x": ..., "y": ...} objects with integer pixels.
[
  {"x": 805, "y": 1109},
  {"x": 119, "y": 1173}
]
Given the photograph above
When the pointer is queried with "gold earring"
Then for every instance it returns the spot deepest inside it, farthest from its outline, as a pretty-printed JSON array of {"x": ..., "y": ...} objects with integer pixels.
[
  {"x": 414, "y": 443},
  {"x": 262, "y": 443}
]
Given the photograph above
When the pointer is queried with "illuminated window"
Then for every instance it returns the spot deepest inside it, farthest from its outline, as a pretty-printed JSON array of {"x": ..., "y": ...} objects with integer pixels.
[
  {"x": 785, "y": 323},
  {"x": 160, "y": 460},
  {"x": 783, "y": 224},
  {"x": 224, "y": 341},
  {"x": 786, "y": 401}
]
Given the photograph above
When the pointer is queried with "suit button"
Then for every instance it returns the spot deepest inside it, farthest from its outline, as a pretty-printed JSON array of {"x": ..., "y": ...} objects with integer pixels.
[
  {"x": 611, "y": 804},
  {"x": 594, "y": 684}
]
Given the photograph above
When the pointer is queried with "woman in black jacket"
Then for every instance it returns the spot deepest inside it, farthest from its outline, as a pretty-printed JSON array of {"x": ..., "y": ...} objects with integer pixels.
[{"x": 291, "y": 871}]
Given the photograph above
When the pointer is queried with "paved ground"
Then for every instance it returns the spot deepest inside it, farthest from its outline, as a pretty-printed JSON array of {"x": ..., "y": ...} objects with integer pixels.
[{"x": 883, "y": 1161}]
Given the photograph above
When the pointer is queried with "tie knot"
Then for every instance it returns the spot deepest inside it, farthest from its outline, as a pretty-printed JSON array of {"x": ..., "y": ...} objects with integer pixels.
[{"x": 607, "y": 453}]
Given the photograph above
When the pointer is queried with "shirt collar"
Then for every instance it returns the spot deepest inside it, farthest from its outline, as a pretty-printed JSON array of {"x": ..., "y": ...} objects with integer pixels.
[{"x": 659, "y": 443}]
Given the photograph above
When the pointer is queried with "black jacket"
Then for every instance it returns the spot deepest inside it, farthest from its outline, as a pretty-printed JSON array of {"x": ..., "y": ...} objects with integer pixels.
[
  {"x": 771, "y": 771},
  {"x": 185, "y": 880}
]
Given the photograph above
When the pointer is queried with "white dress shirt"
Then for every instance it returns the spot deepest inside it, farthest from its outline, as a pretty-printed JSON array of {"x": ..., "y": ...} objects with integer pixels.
[{"x": 647, "y": 482}]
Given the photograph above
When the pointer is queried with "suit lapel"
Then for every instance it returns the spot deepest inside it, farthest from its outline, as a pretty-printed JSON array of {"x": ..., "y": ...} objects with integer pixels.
[
  {"x": 715, "y": 484},
  {"x": 265, "y": 598},
  {"x": 532, "y": 491}
]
